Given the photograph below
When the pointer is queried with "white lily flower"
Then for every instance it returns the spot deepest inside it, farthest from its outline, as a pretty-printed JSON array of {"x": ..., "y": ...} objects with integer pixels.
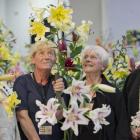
[
  {"x": 73, "y": 117},
  {"x": 47, "y": 112},
  {"x": 84, "y": 30},
  {"x": 136, "y": 120},
  {"x": 78, "y": 91},
  {"x": 98, "y": 117},
  {"x": 104, "y": 88}
]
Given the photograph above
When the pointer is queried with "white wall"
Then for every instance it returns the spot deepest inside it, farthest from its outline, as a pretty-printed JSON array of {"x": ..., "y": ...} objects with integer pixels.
[
  {"x": 88, "y": 10},
  {"x": 17, "y": 14},
  {"x": 2, "y": 10},
  {"x": 122, "y": 15},
  {"x": 110, "y": 17}
]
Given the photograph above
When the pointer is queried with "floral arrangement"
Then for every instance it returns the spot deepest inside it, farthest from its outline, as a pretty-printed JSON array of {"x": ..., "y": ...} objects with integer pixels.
[
  {"x": 9, "y": 69},
  {"x": 69, "y": 38},
  {"x": 8, "y": 98},
  {"x": 133, "y": 40},
  {"x": 132, "y": 37},
  {"x": 9, "y": 59},
  {"x": 78, "y": 112},
  {"x": 119, "y": 66}
]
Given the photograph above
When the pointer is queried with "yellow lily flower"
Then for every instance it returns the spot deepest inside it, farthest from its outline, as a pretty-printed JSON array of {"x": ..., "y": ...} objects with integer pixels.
[
  {"x": 38, "y": 29},
  {"x": 59, "y": 16},
  {"x": 10, "y": 103},
  {"x": 121, "y": 73},
  {"x": 4, "y": 53}
]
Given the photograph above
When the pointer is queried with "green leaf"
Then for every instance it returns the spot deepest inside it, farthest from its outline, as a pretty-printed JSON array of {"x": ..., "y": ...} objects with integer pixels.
[{"x": 76, "y": 51}]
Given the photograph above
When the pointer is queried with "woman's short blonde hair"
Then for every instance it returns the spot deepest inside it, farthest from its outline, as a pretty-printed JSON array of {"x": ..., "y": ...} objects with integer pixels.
[
  {"x": 100, "y": 51},
  {"x": 41, "y": 46}
]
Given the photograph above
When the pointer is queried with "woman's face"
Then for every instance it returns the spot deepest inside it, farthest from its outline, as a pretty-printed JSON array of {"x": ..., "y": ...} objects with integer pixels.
[
  {"x": 91, "y": 62},
  {"x": 44, "y": 59}
]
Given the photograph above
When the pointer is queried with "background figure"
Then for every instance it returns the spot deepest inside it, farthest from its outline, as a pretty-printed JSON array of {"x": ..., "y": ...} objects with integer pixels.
[
  {"x": 132, "y": 97},
  {"x": 94, "y": 61},
  {"x": 38, "y": 85}
]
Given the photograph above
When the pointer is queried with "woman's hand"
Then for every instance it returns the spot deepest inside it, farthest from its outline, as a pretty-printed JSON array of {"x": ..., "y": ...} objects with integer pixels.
[
  {"x": 135, "y": 133},
  {"x": 58, "y": 85},
  {"x": 138, "y": 132}
]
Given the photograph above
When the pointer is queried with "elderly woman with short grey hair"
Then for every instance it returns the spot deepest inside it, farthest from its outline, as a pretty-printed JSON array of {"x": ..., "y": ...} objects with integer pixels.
[{"x": 94, "y": 61}]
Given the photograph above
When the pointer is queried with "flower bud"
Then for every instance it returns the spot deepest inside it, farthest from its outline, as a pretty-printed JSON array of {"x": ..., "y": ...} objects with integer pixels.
[
  {"x": 62, "y": 46},
  {"x": 104, "y": 88},
  {"x": 75, "y": 37},
  {"x": 69, "y": 63}
]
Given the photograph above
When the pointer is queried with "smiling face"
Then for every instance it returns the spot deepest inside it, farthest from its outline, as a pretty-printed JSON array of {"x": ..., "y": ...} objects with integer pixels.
[
  {"x": 44, "y": 58},
  {"x": 91, "y": 62}
]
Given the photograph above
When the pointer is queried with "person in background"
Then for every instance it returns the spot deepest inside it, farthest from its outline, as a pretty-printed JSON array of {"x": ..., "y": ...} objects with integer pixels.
[
  {"x": 94, "y": 61},
  {"x": 38, "y": 85},
  {"x": 132, "y": 97}
]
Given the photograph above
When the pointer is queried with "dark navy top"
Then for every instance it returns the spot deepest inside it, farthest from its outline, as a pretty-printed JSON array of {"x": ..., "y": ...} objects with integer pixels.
[{"x": 29, "y": 91}]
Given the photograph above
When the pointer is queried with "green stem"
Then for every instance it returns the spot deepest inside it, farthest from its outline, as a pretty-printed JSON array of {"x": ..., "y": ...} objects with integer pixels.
[
  {"x": 66, "y": 135},
  {"x": 61, "y": 100}
]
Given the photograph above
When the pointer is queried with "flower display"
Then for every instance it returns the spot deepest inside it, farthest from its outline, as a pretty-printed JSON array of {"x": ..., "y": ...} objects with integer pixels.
[
  {"x": 68, "y": 37},
  {"x": 9, "y": 60},
  {"x": 8, "y": 57},
  {"x": 8, "y": 98},
  {"x": 77, "y": 113},
  {"x": 118, "y": 68}
]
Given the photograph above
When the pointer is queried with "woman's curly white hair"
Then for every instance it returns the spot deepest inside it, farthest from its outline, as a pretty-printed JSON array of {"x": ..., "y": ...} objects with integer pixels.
[{"x": 100, "y": 51}]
